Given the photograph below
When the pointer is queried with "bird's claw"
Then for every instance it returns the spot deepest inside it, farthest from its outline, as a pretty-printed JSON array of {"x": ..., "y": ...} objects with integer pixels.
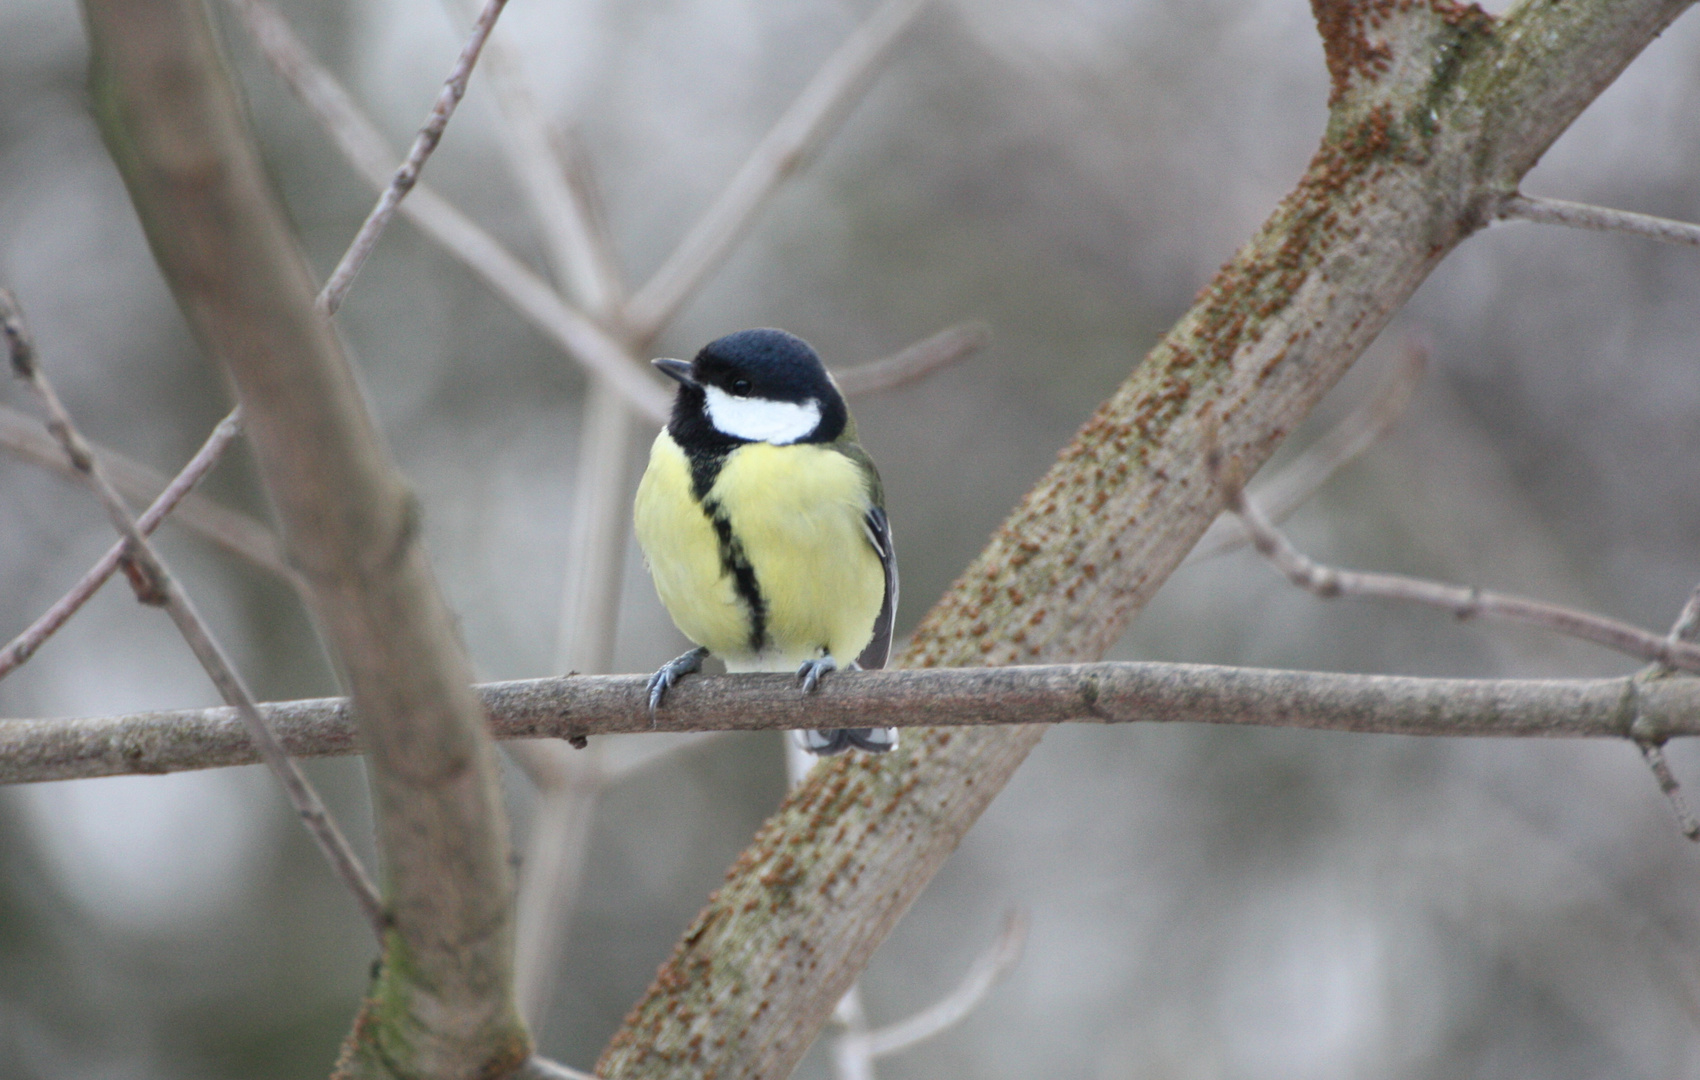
[
  {"x": 812, "y": 670},
  {"x": 671, "y": 672}
]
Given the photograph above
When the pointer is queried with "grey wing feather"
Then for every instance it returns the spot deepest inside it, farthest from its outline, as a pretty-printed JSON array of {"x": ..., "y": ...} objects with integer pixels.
[{"x": 878, "y": 530}]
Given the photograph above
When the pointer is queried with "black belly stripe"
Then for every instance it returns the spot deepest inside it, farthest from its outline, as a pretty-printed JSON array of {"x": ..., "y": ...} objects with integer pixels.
[
  {"x": 734, "y": 561},
  {"x": 705, "y": 470}
]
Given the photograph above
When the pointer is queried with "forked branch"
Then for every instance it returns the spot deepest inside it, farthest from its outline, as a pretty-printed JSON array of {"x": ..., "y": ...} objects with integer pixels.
[{"x": 155, "y": 584}]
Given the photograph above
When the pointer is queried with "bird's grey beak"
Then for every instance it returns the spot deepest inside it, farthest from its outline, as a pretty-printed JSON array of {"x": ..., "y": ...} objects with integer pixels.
[{"x": 675, "y": 369}]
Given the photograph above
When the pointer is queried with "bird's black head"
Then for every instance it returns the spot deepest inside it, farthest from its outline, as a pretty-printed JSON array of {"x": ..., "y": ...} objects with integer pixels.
[{"x": 754, "y": 386}]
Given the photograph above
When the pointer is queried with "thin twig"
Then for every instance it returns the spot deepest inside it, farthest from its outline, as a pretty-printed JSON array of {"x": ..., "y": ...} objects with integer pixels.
[
  {"x": 850, "y": 1057},
  {"x": 917, "y": 361},
  {"x": 570, "y": 782},
  {"x": 1585, "y": 216},
  {"x": 245, "y": 537},
  {"x": 578, "y": 243},
  {"x": 361, "y": 144},
  {"x": 1654, "y": 754},
  {"x": 22, "y": 647},
  {"x": 1295, "y": 484},
  {"x": 1463, "y": 602},
  {"x": 1687, "y": 625},
  {"x": 541, "y": 1068},
  {"x": 161, "y": 588},
  {"x": 585, "y": 706},
  {"x": 782, "y": 151},
  {"x": 987, "y": 971},
  {"x": 1685, "y": 629},
  {"x": 454, "y": 88}
]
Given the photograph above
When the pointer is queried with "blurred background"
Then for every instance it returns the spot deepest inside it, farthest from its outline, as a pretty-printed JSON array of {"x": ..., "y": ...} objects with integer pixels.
[{"x": 1204, "y": 903}]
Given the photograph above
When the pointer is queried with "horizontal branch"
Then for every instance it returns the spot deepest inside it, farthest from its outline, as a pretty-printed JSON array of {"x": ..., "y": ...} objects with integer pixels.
[{"x": 579, "y": 706}]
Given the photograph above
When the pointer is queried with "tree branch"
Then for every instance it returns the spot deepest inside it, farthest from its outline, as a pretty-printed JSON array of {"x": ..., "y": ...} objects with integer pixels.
[
  {"x": 576, "y": 334},
  {"x": 407, "y": 173},
  {"x": 442, "y": 1002},
  {"x": 1437, "y": 113},
  {"x": 987, "y": 971},
  {"x": 586, "y": 706},
  {"x": 24, "y": 646},
  {"x": 1299, "y": 481},
  {"x": 245, "y": 537},
  {"x": 578, "y": 246},
  {"x": 1583, "y": 216},
  {"x": 919, "y": 360},
  {"x": 156, "y": 585},
  {"x": 828, "y": 97},
  {"x": 1463, "y": 602}
]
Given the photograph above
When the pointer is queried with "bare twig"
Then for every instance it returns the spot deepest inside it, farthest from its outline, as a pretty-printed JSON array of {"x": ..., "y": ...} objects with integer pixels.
[
  {"x": 987, "y": 971},
  {"x": 569, "y": 782},
  {"x": 582, "y": 706},
  {"x": 850, "y": 1057},
  {"x": 1685, "y": 629},
  {"x": 22, "y": 647},
  {"x": 1584, "y": 216},
  {"x": 1294, "y": 485},
  {"x": 1463, "y": 602},
  {"x": 360, "y": 142},
  {"x": 782, "y": 151},
  {"x": 442, "y": 1001},
  {"x": 540, "y": 1068},
  {"x": 1687, "y": 625},
  {"x": 590, "y": 597},
  {"x": 917, "y": 361},
  {"x": 578, "y": 244},
  {"x": 162, "y": 589},
  {"x": 230, "y": 530},
  {"x": 454, "y": 88},
  {"x": 1654, "y": 754},
  {"x": 585, "y": 642},
  {"x": 569, "y": 785}
]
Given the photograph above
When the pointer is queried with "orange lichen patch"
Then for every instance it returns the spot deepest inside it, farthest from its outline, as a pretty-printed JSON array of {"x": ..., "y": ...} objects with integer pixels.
[{"x": 1354, "y": 53}]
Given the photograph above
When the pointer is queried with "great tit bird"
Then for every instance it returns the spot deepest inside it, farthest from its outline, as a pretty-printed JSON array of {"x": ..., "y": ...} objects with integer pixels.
[{"x": 763, "y": 523}]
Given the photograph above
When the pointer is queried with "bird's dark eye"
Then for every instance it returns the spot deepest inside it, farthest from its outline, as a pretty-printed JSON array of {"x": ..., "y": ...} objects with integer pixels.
[{"x": 740, "y": 388}]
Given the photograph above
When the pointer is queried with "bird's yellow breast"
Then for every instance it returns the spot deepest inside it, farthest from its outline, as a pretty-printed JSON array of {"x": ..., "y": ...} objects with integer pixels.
[{"x": 790, "y": 518}]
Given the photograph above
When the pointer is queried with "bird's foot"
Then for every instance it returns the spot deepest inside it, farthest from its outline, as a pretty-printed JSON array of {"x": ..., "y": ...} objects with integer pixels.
[
  {"x": 825, "y": 743},
  {"x": 671, "y": 672},
  {"x": 812, "y": 670}
]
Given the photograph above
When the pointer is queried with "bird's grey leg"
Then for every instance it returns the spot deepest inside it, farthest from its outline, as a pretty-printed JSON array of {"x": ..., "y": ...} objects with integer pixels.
[
  {"x": 671, "y": 672},
  {"x": 812, "y": 670}
]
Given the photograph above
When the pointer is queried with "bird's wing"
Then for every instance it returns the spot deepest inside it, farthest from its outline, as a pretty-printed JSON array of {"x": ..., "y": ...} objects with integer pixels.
[{"x": 877, "y": 528}]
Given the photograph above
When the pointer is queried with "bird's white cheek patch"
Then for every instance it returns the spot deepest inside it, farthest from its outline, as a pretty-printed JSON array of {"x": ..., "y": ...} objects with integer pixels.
[{"x": 761, "y": 420}]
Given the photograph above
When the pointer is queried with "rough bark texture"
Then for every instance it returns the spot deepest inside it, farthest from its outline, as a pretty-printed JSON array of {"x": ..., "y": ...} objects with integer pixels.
[
  {"x": 32, "y": 751},
  {"x": 442, "y": 1005},
  {"x": 1436, "y": 113}
]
